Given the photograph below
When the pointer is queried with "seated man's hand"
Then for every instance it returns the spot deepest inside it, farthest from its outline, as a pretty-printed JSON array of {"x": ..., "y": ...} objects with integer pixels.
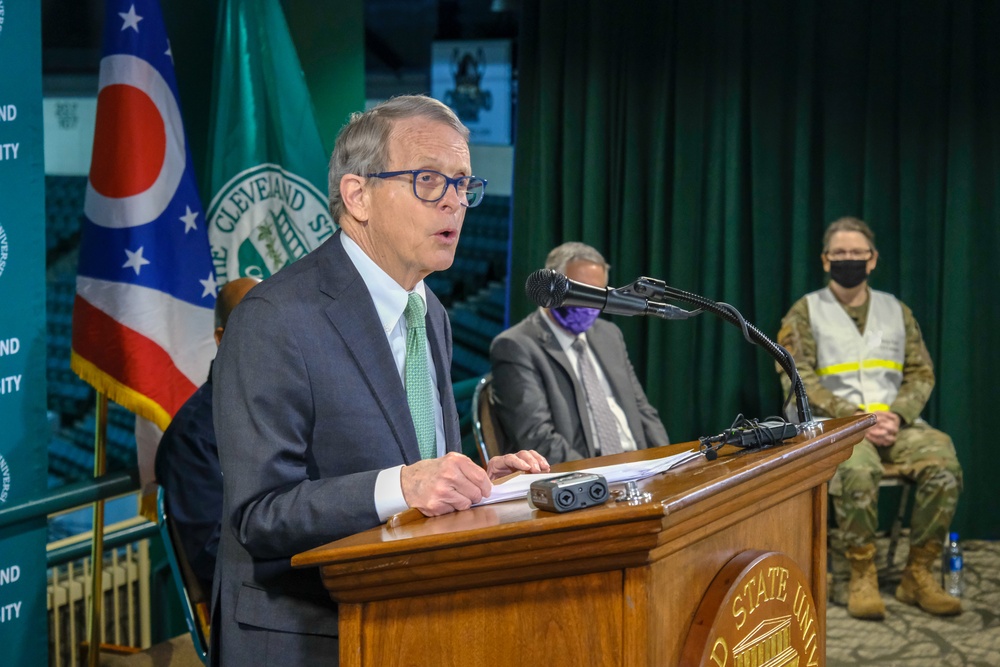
[
  {"x": 442, "y": 485},
  {"x": 528, "y": 461}
]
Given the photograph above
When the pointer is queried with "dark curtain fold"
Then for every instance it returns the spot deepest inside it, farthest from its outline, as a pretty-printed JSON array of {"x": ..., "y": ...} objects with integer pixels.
[{"x": 709, "y": 142}]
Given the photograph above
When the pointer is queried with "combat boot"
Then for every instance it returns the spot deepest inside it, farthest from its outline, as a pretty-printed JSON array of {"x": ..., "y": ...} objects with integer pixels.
[
  {"x": 921, "y": 588},
  {"x": 863, "y": 599}
]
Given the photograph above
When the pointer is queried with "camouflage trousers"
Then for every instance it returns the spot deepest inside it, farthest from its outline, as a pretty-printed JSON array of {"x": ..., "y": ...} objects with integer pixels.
[{"x": 923, "y": 454}]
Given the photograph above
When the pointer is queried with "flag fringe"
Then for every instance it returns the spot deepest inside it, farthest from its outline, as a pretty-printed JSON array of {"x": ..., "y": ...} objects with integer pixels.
[
  {"x": 147, "y": 504},
  {"x": 120, "y": 393}
]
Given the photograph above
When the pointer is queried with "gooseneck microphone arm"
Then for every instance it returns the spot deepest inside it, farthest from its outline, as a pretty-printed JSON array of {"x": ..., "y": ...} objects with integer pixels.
[
  {"x": 657, "y": 289},
  {"x": 550, "y": 289}
]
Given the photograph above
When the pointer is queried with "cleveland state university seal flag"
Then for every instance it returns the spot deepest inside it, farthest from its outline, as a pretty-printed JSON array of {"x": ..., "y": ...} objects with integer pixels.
[
  {"x": 268, "y": 167},
  {"x": 143, "y": 315}
]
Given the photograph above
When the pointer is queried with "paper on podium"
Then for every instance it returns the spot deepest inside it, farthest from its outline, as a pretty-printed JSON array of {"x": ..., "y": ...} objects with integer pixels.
[{"x": 518, "y": 486}]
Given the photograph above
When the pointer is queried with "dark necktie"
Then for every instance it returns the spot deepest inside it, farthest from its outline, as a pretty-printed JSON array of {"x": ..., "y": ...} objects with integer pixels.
[{"x": 608, "y": 440}]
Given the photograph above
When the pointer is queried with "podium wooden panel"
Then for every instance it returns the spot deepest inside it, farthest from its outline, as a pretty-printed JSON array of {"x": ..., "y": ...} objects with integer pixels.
[{"x": 508, "y": 586}]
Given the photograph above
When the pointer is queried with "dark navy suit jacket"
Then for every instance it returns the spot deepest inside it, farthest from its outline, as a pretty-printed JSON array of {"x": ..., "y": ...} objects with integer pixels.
[
  {"x": 309, "y": 407},
  {"x": 187, "y": 467}
]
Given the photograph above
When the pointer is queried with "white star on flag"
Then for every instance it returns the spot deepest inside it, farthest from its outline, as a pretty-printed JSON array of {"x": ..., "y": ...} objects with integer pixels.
[
  {"x": 169, "y": 53},
  {"x": 131, "y": 19},
  {"x": 189, "y": 220},
  {"x": 135, "y": 260},
  {"x": 210, "y": 285}
]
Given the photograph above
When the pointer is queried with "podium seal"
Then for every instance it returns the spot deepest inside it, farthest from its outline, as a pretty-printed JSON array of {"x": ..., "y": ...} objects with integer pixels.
[{"x": 757, "y": 612}]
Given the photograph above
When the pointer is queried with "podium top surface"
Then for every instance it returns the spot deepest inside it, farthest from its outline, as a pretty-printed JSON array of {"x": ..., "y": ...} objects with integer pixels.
[{"x": 683, "y": 497}]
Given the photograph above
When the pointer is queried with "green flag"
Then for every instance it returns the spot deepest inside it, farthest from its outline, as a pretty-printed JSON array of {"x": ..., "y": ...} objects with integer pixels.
[{"x": 267, "y": 163}]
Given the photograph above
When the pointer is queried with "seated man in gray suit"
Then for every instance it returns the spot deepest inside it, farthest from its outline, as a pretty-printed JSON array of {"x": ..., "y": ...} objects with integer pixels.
[
  {"x": 562, "y": 380},
  {"x": 333, "y": 407}
]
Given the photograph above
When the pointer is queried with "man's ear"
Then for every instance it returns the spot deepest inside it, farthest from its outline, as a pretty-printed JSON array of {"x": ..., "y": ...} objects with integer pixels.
[{"x": 355, "y": 196}]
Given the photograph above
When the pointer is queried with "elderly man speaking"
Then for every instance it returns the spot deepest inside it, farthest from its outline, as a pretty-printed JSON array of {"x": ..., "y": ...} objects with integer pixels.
[{"x": 334, "y": 407}]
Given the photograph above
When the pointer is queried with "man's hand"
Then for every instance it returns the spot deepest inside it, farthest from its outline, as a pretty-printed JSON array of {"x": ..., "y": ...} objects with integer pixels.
[
  {"x": 883, "y": 433},
  {"x": 528, "y": 461},
  {"x": 442, "y": 485}
]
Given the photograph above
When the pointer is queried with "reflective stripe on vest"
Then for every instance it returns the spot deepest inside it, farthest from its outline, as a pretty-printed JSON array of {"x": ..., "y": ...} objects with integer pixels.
[
  {"x": 866, "y": 370},
  {"x": 854, "y": 365}
]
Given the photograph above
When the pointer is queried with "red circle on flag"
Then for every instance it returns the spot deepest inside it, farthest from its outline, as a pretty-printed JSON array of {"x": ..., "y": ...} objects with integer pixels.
[{"x": 130, "y": 142}]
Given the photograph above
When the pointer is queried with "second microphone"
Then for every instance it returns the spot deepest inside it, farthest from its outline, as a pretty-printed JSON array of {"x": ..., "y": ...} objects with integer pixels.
[{"x": 551, "y": 289}]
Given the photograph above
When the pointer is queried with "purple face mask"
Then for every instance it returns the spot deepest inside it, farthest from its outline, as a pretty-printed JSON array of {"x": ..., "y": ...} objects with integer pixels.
[{"x": 575, "y": 319}]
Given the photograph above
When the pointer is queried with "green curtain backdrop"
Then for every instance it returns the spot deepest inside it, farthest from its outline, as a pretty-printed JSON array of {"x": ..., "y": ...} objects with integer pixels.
[{"x": 709, "y": 142}]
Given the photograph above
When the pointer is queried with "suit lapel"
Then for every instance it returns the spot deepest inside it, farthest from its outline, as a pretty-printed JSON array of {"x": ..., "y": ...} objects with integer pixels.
[
  {"x": 547, "y": 341},
  {"x": 352, "y": 313}
]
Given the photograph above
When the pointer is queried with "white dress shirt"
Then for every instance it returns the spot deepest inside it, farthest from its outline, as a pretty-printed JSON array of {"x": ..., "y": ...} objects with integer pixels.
[{"x": 390, "y": 302}]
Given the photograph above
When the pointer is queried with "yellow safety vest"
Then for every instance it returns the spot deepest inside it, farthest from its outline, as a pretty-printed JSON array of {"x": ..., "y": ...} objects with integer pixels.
[{"x": 867, "y": 369}]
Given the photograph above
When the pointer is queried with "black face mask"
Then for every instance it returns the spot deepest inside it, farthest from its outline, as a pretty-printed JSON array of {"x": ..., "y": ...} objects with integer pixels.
[{"x": 849, "y": 272}]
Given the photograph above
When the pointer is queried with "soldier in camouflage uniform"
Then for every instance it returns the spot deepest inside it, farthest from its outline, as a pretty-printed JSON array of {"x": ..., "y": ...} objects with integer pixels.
[{"x": 859, "y": 350}]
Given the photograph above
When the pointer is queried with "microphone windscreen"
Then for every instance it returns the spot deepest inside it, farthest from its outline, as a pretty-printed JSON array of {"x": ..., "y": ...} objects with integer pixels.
[{"x": 547, "y": 288}]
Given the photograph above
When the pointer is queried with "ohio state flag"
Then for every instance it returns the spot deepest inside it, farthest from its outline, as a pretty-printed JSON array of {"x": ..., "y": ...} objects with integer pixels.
[{"x": 143, "y": 315}]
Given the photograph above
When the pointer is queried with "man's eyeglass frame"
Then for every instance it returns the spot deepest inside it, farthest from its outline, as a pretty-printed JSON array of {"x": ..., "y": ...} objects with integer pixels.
[{"x": 449, "y": 181}]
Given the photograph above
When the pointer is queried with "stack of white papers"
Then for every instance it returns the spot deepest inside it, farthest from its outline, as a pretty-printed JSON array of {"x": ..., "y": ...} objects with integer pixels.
[{"x": 518, "y": 486}]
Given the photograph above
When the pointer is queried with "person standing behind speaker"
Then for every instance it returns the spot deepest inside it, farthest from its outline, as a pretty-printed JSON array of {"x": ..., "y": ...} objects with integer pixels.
[
  {"x": 859, "y": 350},
  {"x": 563, "y": 384}
]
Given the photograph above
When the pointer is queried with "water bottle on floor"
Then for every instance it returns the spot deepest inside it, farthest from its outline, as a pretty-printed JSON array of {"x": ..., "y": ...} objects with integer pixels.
[{"x": 951, "y": 567}]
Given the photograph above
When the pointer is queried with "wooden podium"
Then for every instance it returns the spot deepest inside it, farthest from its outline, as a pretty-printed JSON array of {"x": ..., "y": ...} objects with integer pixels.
[{"x": 508, "y": 586}]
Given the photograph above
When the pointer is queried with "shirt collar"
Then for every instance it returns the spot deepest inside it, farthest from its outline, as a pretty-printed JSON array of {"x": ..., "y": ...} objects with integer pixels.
[{"x": 389, "y": 297}]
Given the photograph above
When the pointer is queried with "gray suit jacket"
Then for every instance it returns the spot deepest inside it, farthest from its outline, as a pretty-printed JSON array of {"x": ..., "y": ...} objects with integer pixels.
[
  {"x": 540, "y": 402},
  {"x": 308, "y": 409}
]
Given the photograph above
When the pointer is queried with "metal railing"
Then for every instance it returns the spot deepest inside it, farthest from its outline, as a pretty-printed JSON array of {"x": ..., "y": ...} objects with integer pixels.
[
  {"x": 126, "y": 620},
  {"x": 71, "y": 496},
  {"x": 125, "y": 572}
]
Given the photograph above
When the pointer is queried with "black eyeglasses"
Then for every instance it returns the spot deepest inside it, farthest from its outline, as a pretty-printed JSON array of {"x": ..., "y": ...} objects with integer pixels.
[{"x": 430, "y": 185}]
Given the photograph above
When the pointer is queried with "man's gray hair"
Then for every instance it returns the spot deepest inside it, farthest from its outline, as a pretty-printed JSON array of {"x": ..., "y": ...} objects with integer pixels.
[
  {"x": 362, "y": 146},
  {"x": 573, "y": 251}
]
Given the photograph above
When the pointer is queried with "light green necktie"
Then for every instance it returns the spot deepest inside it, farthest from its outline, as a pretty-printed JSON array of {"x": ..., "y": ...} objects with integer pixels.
[{"x": 419, "y": 392}]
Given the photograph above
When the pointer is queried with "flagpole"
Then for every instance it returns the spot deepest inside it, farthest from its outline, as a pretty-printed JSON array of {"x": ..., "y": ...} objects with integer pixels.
[{"x": 97, "y": 538}]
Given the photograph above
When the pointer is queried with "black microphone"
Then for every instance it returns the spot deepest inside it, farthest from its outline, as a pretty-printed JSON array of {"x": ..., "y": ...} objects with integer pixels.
[{"x": 551, "y": 289}]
